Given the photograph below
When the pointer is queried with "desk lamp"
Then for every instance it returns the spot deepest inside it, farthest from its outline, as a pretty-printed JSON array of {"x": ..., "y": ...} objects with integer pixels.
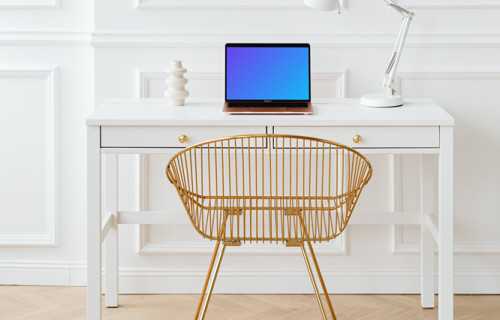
[{"x": 390, "y": 98}]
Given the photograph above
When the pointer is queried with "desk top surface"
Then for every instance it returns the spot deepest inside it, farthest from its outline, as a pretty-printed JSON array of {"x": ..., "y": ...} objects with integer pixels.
[{"x": 343, "y": 112}]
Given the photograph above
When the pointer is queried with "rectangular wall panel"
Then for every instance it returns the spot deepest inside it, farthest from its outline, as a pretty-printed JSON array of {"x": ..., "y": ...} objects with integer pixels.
[
  {"x": 29, "y": 165},
  {"x": 210, "y": 85},
  {"x": 468, "y": 96}
]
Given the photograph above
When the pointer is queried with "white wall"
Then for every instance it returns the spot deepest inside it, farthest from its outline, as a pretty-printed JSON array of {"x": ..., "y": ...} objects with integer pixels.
[
  {"x": 46, "y": 70},
  {"x": 452, "y": 55}
]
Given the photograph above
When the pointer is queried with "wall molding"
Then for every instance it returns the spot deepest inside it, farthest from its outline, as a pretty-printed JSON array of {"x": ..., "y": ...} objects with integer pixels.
[
  {"x": 396, "y": 187},
  {"x": 401, "y": 247},
  {"x": 341, "y": 78},
  {"x": 44, "y": 37},
  {"x": 483, "y": 248},
  {"x": 398, "y": 244},
  {"x": 220, "y": 4},
  {"x": 358, "y": 280},
  {"x": 47, "y": 273},
  {"x": 30, "y": 4},
  {"x": 143, "y": 76},
  {"x": 297, "y": 5},
  {"x": 339, "y": 280},
  {"x": 446, "y": 74},
  {"x": 103, "y": 39},
  {"x": 453, "y": 4},
  {"x": 51, "y": 237}
]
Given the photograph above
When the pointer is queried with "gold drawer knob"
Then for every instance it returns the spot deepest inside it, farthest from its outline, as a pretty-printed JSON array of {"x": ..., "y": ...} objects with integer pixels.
[
  {"x": 183, "y": 138},
  {"x": 357, "y": 138}
]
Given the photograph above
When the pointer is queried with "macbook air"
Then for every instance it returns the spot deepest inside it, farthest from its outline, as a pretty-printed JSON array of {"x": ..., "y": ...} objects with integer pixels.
[{"x": 268, "y": 79}]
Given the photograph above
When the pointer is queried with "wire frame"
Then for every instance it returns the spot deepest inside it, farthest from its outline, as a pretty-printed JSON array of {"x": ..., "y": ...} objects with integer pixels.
[{"x": 269, "y": 187}]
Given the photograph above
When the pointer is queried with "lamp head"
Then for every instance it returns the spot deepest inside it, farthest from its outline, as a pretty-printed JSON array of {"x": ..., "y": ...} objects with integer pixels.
[
  {"x": 325, "y": 5},
  {"x": 405, "y": 12}
]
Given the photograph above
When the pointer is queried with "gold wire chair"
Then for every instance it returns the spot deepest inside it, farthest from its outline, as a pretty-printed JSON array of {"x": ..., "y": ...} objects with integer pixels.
[{"x": 268, "y": 188}]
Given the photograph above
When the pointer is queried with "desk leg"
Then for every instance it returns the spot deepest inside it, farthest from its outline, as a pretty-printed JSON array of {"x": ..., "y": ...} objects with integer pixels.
[
  {"x": 93, "y": 223},
  {"x": 427, "y": 289},
  {"x": 111, "y": 206},
  {"x": 446, "y": 224}
]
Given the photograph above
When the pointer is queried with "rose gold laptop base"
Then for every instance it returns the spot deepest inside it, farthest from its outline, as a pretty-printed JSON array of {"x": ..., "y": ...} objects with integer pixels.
[{"x": 268, "y": 110}]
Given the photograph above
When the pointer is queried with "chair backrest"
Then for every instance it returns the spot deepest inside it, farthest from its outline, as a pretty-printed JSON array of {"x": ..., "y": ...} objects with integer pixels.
[{"x": 269, "y": 187}]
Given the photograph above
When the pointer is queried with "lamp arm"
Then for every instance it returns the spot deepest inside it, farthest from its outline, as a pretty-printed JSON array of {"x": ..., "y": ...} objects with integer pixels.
[{"x": 398, "y": 47}]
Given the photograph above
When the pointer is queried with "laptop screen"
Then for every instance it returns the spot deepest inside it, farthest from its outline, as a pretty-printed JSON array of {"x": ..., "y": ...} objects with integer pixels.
[{"x": 267, "y": 72}]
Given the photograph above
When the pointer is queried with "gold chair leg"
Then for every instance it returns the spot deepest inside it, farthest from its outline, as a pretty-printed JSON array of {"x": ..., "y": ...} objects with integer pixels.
[
  {"x": 210, "y": 281},
  {"x": 215, "y": 257},
  {"x": 318, "y": 271},
  {"x": 313, "y": 281}
]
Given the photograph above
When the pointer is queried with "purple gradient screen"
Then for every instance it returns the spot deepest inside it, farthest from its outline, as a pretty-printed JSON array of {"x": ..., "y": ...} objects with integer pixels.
[{"x": 267, "y": 73}]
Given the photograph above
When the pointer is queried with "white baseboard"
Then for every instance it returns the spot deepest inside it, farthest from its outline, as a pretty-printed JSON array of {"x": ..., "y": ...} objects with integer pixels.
[
  {"x": 270, "y": 281},
  {"x": 43, "y": 273},
  {"x": 340, "y": 280}
]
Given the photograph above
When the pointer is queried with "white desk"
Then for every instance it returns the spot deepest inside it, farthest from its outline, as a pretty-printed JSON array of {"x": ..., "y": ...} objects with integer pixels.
[{"x": 151, "y": 126}]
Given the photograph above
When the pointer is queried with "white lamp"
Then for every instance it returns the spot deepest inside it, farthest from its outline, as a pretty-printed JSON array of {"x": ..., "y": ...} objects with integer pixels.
[
  {"x": 390, "y": 98},
  {"x": 325, "y": 5}
]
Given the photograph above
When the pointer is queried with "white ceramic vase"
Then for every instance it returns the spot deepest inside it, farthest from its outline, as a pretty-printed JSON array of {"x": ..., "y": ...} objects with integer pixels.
[{"x": 176, "y": 93}]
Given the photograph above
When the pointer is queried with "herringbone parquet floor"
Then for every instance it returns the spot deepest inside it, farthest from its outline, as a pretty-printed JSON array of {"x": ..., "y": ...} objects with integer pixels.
[{"x": 68, "y": 303}]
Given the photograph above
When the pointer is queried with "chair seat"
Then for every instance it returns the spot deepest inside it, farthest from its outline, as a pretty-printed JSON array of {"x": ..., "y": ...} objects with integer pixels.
[{"x": 269, "y": 219}]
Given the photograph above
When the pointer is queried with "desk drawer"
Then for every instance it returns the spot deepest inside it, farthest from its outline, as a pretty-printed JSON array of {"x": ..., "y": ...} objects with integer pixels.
[
  {"x": 167, "y": 137},
  {"x": 371, "y": 137}
]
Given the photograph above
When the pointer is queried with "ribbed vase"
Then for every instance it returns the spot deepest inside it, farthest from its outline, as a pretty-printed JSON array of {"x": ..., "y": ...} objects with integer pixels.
[{"x": 176, "y": 92}]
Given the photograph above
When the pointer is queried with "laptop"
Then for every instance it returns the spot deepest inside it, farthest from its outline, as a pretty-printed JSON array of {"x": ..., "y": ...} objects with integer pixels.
[{"x": 267, "y": 78}]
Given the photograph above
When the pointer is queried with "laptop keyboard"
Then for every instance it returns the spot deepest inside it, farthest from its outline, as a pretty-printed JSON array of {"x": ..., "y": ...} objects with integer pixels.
[{"x": 267, "y": 105}]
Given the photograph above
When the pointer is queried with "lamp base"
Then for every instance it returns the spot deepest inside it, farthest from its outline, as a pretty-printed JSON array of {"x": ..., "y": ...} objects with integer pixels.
[{"x": 381, "y": 100}]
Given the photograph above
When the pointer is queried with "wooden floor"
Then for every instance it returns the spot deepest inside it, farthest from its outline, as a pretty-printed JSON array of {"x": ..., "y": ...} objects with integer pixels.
[{"x": 68, "y": 303}]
